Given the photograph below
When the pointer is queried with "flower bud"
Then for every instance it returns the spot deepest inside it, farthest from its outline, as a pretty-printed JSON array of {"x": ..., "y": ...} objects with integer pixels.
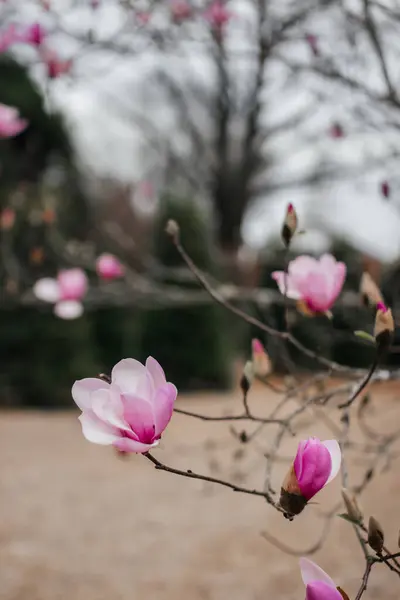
[
  {"x": 352, "y": 507},
  {"x": 370, "y": 293},
  {"x": 384, "y": 327},
  {"x": 172, "y": 228},
  {"x": 247, "y": 377},
  {"x": 385, "y": 189},
  {"x": 375, "y": 535},
  {"x": 261, "y": 363},
  {"x": 289, "y": 225}
]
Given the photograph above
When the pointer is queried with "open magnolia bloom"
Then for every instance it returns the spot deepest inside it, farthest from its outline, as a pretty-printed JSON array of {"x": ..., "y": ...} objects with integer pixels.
[
  {"x": 319, "y": 586},
  {"x": 314, "y": 283},
  {"x": 132, "y": 411},
  {"x": 315, "y": 465},
  {"x": 65, "y": 292}
]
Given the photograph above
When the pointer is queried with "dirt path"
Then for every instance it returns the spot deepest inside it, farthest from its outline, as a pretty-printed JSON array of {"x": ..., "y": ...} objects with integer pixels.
[{"x": 79, "y": 523}]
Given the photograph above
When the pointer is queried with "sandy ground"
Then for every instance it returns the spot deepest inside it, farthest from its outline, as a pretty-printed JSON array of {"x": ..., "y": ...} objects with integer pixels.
[{"x": 79, "y": 522}]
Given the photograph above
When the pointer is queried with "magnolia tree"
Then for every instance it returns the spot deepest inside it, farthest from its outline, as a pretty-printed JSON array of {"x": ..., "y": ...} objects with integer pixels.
[{"x": 131, "y": 409}]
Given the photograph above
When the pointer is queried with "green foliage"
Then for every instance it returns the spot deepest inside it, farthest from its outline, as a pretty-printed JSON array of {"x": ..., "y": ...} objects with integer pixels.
[{"x": 190, "y": 342}]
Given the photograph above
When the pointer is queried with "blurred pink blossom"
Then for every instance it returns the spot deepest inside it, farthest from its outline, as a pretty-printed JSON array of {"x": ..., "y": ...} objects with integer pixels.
[
  {"x": 143, "y": 17},
  {"x": 132, "y": 412},
  {"x": 316, "y": 283},
  {"x": 385, "y": 189},
  {"x": 54, "y": 65},
  {"x": 319, "y": 586},
  {"x": 217, "y": 14},
  {"x": 108, "y": 267},
  {"x": 180, "y": 10},
  {"x": 8, "y": 37},
  {"x": 336, "y": 131},
  {"x": 312, "y": 41},
  {"x": 65, "y": 292},
  {"x": 315, "y": 465},
  {"x": 261, "y": 362},
  {"x": 10, "y": 122},
  {"x": 33, "y": 34}
]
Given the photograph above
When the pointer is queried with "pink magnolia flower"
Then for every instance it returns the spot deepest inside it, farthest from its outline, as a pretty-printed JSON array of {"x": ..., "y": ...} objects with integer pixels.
[
  {"x": 316, "y": 283},
  {"x": 319, "y": 586},
  {"x": 109, "y": 267},
  {"x": 34, "y": 35},
  {"x": 180, "y": 10},
  {"x": 217, "y": 14},
  {"x": 54, "y": 65},
  {"x": 316, "y": 464},
  {"x": 129, "y": 413},
  {"x": 8, "y": 37},
  {"x": 65, "y": 292},
  {"x": 10, "y": 122}
]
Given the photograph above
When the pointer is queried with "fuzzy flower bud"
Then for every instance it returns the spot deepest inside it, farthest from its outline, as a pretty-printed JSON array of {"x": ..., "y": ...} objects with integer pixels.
[
  {"x": 261, "y": 362},
  {"x": 289, "y": 225},
  {"x": 172, "y": 228},
  {"x": 384, "y": 327},
  {"x": 247, "y": 377},
  {"x": 376, "y": 536},
  {"x": 370, "y": 293},
  {"x": 352, "y": 507}
]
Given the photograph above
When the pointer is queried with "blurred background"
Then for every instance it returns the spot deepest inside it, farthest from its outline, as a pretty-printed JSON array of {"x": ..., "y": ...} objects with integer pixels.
[{"x": 216, "y": 114}]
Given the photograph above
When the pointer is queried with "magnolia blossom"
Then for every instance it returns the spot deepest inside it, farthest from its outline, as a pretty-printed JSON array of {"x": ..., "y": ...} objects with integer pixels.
[
  {"x": 65, "y": 292},
  {"x": 8, "y": 38},
  {"x": 316, "y": 464},
  {"x": 54, "y": 65},
  {"x": 180, "y": 10},
  {"x": 315, "y": 283},
  {"x": 217, "y": 14},
  {"x": 10, "y": 122},
  {"x": 33, "y": 34},
  {"x": 129, "y": 413},
  {"x": 319, "y": 586},
  {"x": 108, "y": 267}
]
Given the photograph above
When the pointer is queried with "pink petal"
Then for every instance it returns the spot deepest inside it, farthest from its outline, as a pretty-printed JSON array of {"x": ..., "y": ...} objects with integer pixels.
[
  {"x": 139, "y": 415},
  {"x": 156, "y": 371},
  {"x": 336, "y": 457},
  {"x": 312, "y": 467},
  {"x": 319, "y": 590},
  {"x": 288, "y": 284},
  {"x": 311, "y": 572},
  {"x": 164, "y": 407},
  {"x": 83, "y": 389},
  {"x": 97, "y": 431},
  {"x": 68, "y": 309},
  {"x": 47, "y": 290},
  {"x": 340, "y": 277},
  {"x": 108, "y": 406},
  {"x": 317, "y": 291},
  {"x": 128, "y": 445},
  {"x": 132, "y": 378}
]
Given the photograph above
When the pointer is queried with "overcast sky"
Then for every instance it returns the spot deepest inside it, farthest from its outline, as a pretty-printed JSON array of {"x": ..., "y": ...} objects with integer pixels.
[{"x": 351, "y": 208}]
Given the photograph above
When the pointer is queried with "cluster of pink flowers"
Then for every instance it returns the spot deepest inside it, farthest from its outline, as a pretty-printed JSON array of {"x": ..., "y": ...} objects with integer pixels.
[
  {"x": 67, "y": 291},
  {"x": 35, "y": 35}
]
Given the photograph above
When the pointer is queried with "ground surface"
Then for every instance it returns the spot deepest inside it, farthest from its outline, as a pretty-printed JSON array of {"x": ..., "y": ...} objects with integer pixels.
[{"x": 79, "y": 523}]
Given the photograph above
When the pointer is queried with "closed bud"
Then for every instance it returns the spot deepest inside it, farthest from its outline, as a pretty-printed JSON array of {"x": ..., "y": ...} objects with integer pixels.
[
  {"x": 352, "y": 507},
  {"x": 370, "y": 293},
  {"x": 247, "y": 377},
  {"x": 384, "y": 327},
  {"x": 172, "y": 228},
  {"x": 376, "y": 536},
  {"x": 261, "y": 362},
  {"x": 289, "y": 225}
]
